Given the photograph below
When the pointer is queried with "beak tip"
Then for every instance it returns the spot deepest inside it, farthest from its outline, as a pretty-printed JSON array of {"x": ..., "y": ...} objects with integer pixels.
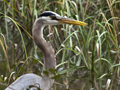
[{"x": 85, "y": 24}]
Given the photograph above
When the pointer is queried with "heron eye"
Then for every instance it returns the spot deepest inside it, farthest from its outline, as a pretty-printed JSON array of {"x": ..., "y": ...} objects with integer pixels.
[{"x": 52, "y": 16}]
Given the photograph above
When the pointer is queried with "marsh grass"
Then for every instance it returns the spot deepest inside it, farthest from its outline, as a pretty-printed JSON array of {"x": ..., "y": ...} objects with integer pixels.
[{"x": 88, "y": 58}]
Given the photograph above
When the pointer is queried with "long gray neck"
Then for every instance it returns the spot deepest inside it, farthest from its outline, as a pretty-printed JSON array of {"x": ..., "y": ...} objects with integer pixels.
[{"x": 49, "y": 55}]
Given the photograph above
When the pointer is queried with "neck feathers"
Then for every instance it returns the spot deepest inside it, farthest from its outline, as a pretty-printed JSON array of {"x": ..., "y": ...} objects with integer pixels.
[{"x": 49, "y": 55}]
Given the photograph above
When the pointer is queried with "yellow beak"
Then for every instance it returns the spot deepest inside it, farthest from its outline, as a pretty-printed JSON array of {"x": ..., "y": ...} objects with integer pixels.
[{"x": 71, "y": 21}]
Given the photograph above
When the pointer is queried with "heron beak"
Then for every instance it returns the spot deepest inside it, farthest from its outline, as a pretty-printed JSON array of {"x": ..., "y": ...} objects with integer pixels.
[{"x": 71, "y": 21}]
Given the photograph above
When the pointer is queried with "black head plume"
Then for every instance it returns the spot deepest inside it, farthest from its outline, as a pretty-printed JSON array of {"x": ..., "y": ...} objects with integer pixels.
[{"x": 47, "y": 13}]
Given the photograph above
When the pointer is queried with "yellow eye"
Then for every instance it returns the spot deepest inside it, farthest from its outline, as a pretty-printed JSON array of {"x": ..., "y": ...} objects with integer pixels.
[{"x": 52, "y": 16}]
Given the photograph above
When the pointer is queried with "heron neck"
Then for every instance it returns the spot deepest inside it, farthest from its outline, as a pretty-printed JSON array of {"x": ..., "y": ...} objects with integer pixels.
[{"x": 49, "y": 55}]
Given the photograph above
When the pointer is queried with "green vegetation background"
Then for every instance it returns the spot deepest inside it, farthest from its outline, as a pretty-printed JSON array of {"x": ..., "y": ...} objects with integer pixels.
[{"x": 87, "y": 56}]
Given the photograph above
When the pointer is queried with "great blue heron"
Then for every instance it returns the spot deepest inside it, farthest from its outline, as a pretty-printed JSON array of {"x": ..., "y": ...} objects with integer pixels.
[{"x": 44, "y": 82}]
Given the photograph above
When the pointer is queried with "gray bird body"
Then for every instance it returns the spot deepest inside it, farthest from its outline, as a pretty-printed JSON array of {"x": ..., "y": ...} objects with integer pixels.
[{"x": 25, "y": 81}]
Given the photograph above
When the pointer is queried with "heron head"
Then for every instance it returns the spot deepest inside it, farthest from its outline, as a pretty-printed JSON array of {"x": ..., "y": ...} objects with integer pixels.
[{"x": 52, "y": 18}]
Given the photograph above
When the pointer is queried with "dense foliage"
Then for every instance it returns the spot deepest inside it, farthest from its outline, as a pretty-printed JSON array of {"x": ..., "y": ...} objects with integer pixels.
[{"x": 88, "y": 57}]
